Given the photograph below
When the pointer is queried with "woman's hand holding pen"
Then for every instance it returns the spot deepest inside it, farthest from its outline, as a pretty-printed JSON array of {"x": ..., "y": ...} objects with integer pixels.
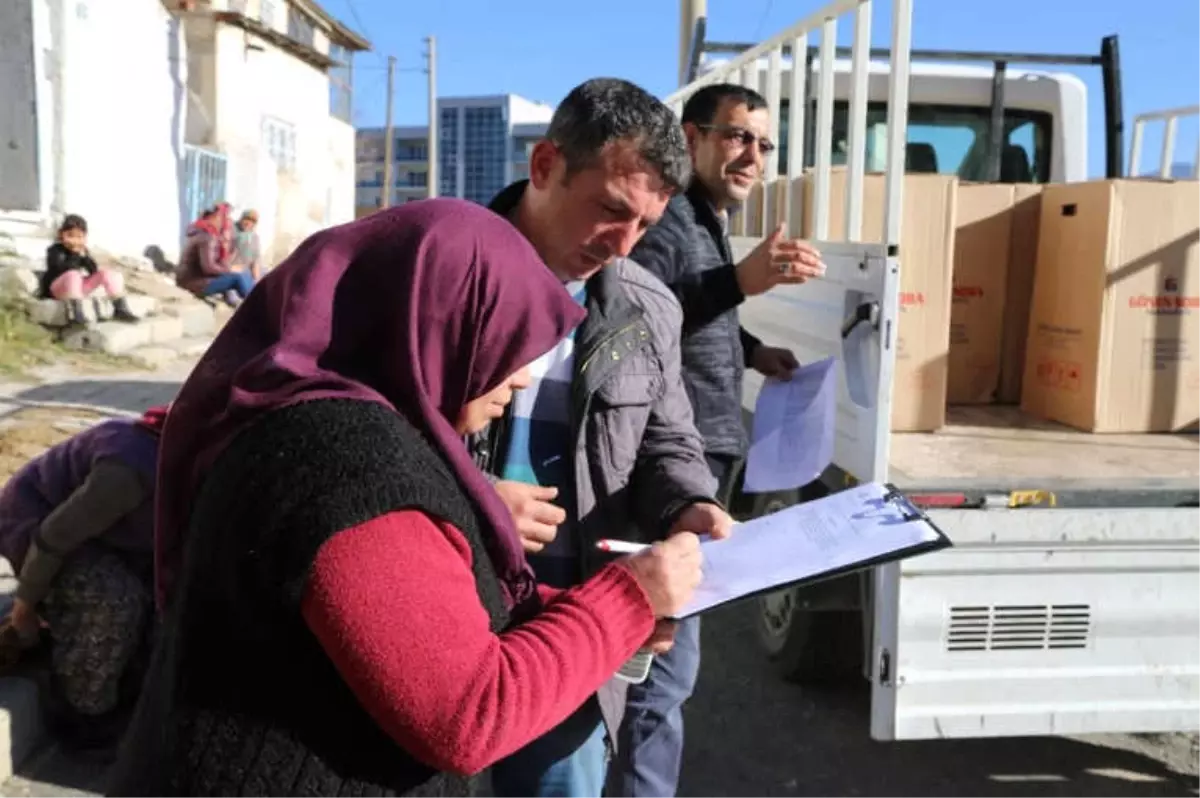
[{"x": 669, "y": 572}]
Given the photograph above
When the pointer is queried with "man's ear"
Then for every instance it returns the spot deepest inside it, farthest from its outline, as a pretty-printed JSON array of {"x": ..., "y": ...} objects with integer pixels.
[
  {"x": 692, "y": 133},
  {"x": 543, "y": 161}
]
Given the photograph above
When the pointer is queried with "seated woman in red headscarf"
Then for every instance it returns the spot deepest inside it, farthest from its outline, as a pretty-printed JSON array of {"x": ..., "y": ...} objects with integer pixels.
[
  {"x": 77, "y": 527},
  {"x": 347, "y": 606},
  {"x": 205, "y": 267}
]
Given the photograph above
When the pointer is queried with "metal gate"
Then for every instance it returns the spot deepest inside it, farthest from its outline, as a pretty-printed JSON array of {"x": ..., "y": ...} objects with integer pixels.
[{"x": 205, "y": 178}]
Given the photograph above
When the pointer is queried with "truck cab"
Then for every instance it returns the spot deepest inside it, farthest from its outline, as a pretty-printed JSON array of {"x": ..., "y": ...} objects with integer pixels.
[{"x": 949, "y": 117}]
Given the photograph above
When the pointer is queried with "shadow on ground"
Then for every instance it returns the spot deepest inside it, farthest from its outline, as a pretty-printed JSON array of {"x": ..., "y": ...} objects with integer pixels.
[{"x": 129, "y": 396}]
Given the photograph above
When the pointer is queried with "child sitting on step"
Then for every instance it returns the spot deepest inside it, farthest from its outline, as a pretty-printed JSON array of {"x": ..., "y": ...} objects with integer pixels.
[{"x": 72, "y": 276}]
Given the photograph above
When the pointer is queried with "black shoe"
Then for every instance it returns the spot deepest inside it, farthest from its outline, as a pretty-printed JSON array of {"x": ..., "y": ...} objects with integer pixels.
[
  {"x": 77, "y": 313},
  {"x": 122, "y": 312}
]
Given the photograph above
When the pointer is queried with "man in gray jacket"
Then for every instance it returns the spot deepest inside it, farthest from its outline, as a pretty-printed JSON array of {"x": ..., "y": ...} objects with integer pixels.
[{"x": 601, "y": 444}]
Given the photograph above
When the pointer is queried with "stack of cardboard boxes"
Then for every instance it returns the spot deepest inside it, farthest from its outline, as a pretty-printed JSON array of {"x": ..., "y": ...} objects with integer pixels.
[{"x": 1080, "y": 302}]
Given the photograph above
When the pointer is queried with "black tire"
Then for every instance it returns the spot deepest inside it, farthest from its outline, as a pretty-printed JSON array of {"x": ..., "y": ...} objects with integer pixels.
[{"x": 810, "y": 646}]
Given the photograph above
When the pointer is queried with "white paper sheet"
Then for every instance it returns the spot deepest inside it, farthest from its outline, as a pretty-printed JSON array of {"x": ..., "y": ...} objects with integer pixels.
[
  {"x": 858, "y": 526},
  {"x": 792, "y": 440}
]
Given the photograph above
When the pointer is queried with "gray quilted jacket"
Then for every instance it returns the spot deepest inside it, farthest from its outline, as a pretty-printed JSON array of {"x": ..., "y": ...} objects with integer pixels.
[{"x": 638, "y": 457}]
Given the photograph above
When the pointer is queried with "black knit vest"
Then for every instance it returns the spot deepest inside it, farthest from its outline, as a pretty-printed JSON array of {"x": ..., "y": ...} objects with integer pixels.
[{"x": 241, "y": 700}]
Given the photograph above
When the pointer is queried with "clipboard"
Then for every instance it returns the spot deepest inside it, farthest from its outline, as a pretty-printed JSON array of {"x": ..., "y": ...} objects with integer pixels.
[{"x": 757, "y": 562}]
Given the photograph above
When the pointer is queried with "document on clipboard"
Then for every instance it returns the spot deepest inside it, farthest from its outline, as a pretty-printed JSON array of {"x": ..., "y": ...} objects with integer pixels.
[{"x": 858, "y": 528}]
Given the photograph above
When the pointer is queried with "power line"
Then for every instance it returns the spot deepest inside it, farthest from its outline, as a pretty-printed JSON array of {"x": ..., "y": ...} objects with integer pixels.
[
  {"x": 362, "y": 27},
  {"x": 762, "y": 21},
  {"x": 383, "y": 68}
]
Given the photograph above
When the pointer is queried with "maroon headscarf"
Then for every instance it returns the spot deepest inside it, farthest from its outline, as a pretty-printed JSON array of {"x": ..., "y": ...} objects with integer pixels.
[{"x": 420, "y": 308}]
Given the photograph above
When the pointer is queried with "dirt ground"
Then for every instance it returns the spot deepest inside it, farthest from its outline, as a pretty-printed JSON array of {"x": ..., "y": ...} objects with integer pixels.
[{"x": 26, "y": 433}]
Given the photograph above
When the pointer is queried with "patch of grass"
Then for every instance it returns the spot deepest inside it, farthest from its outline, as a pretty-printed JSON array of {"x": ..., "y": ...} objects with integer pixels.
[
  {"x": 26, "y": 346},
  {"x": 23, "y": 344}
]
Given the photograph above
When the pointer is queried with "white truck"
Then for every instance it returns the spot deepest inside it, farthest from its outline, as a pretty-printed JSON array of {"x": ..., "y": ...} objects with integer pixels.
[{"x": 1068, "y": 604}]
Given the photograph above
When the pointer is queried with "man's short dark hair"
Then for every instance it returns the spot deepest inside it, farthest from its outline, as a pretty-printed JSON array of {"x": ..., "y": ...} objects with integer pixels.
[
  {"x": 701, "y": 107},
  {"x": 603, "y": 110}
]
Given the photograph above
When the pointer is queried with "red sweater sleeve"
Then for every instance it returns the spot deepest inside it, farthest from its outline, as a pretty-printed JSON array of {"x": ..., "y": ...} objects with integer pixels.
[{"x": 394, "y": 605}]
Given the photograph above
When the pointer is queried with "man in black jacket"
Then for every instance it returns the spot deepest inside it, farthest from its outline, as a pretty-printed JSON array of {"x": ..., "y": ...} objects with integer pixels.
[{"x": 727, "y": 130}]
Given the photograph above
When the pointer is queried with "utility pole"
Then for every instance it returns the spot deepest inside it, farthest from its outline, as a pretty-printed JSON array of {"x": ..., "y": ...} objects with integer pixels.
[
  {"x": 389, "y": 137},
  {"x": 432, "y": 145}
]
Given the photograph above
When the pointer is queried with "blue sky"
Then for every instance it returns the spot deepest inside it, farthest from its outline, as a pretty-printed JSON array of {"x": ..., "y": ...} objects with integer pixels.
[{"x": 541, "y": 48}]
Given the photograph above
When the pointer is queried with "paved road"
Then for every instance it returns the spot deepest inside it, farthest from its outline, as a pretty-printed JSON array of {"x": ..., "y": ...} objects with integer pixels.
[{"x": 751, "y": 734}]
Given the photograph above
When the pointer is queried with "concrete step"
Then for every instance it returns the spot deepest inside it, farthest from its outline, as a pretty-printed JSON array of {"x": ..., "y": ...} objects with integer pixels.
[
  {"x": 26, "y": 240},
  {"x": 120, "y": 338},
  {"x": 166, "y": 314},
  {"x": 185, "y": 327},
  {"x": 20, "y": 723},
  {"x": 53, "y": 313},
  {"x": 20, "y": 719},
  {"x": 54, "y": 772}
]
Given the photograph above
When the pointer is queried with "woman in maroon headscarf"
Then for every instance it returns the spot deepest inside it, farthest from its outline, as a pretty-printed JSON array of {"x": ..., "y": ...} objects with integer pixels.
[
  {"x": 348, "y": 608},
  {"x": 77, "y": 527}
]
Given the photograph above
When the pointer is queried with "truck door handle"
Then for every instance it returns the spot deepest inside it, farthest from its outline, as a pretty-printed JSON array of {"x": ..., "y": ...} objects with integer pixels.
[{"x": 865, "y": 312}]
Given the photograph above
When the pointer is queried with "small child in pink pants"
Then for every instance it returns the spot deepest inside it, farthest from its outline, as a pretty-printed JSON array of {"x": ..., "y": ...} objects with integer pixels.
[{"x": 72, "y": 276}]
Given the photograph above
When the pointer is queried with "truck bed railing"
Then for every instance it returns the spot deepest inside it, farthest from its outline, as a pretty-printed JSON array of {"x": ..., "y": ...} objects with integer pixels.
[
  {"x": 1170, "y": 119},
  {"x": 745, "y": 70}
]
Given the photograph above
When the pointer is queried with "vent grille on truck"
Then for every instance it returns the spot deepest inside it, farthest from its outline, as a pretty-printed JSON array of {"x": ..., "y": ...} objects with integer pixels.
[{"x": 1018, "y": 627}]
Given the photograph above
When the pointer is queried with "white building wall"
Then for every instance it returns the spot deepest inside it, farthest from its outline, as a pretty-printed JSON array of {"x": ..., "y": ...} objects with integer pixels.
[
  {"x": 111, "y": 119},
  {"x": 259, "y": 88}
]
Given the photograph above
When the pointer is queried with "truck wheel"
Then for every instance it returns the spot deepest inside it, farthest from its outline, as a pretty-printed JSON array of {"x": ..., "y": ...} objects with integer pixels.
[{"x": 810, "y": 646}]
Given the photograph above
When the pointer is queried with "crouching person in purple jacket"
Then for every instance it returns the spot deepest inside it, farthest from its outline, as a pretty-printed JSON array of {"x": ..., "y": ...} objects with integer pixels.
[{"x": 76, "y": 525}]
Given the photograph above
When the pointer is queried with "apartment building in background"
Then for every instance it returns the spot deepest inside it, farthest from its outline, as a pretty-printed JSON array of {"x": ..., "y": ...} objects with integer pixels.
[{"x": 483, "y": 145}]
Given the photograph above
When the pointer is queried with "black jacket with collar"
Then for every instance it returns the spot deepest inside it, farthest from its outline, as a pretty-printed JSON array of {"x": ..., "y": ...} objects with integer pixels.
[{"x": 689, "y": 251}]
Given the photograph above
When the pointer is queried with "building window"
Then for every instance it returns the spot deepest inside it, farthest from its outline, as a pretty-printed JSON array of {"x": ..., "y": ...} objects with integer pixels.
[
  {"x": 268, "y": 13},
  {"x": 369, "y": 148},
  {"x": 300, "y": 27},
  {"x": 486, "y": 150},
  {"x": 279, "y": 140},
  {"x": 411, "y": 151},
  {"x": 341, "y": 81},
  {"x": 417, "y": 179},
  {"x": 448, "y": 153}
]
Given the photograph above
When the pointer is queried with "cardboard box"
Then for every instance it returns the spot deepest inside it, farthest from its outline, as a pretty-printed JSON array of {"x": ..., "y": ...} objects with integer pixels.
[
  {"x": 1018, "y": 295},
  {"x": 1113, "y": 327},
  {"x": 982, "y": 246},
  {"x": 926, "y": 263}
]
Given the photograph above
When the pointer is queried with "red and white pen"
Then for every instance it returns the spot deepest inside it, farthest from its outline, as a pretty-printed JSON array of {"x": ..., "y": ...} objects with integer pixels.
[{"x": 620, "y": 546}]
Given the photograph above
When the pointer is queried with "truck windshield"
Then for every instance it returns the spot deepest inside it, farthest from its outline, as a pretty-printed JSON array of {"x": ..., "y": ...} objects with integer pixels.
[{"x": 946, "y": 139}]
